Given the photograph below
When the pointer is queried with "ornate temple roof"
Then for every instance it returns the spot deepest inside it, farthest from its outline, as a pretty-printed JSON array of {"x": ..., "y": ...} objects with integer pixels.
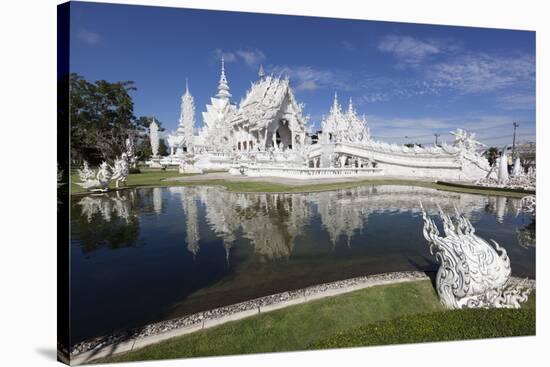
[
  {"x": 346, "y": 126},
  {"x": 266, "y": 99}
]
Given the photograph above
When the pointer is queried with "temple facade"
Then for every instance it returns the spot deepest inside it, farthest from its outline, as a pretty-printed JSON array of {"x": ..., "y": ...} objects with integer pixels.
[
  {"x": 266, "y": 135},
  {"x": 269, "y": 117}
]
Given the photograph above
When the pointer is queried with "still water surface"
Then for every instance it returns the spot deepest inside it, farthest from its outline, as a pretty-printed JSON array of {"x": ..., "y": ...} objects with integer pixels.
[{"x": 145, "y": 255}]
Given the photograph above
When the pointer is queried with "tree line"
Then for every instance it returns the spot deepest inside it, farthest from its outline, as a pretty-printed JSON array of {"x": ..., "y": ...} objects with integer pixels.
[{"x": 102, "y": 119}]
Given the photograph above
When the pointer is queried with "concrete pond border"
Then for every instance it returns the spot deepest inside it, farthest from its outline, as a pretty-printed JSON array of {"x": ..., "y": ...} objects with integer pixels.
[{"x": 109, "y": 345}]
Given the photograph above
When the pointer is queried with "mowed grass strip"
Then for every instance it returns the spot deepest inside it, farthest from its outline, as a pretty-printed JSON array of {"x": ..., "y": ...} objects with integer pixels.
[
  {"x": 389, "y": 314},
  {"x": 157, "y": 178},
  {"x": 438, "y": 326},
  {"x": 296, "y": 327}
]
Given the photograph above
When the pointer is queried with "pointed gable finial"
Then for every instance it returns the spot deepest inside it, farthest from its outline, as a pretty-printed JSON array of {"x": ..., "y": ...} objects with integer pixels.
[
  {"x": 261, "y": 72},
  {"x": 350, "y": 106},
  {"x": 186, "y": 86}
]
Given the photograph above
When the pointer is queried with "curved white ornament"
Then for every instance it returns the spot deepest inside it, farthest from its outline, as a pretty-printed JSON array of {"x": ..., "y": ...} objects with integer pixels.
[{"x": 473, "y": 273}]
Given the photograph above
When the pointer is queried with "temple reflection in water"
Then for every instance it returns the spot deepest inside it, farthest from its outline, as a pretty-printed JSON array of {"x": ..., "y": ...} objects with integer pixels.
[{"x": 272, "y": 222}]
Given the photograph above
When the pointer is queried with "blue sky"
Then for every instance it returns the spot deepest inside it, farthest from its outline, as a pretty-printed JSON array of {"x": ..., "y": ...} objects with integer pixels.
[{"x": 411, "y": 80}]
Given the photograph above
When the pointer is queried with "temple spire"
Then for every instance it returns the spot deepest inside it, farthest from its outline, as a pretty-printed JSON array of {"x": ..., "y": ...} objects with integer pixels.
[
  {"x": 350, "y": 107},
  {"x": 335, "y": 105},
  {"x": 223, "y": 86},
  {"x": 261, "y": 72}
]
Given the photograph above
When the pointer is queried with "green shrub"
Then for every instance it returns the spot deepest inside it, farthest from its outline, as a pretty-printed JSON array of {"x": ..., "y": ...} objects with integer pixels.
[{"x": 135, "y": 170}]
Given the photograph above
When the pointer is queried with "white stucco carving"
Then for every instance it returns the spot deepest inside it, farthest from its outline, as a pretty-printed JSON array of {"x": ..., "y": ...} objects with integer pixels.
[
  {"x": 473, "y": 273},
  {"x": 121, "y": 170},
  {"x": 95, "y": 182}
]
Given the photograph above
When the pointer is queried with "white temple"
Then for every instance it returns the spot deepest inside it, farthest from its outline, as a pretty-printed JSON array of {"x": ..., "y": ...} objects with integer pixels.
[{"x": 266, "y": 135}]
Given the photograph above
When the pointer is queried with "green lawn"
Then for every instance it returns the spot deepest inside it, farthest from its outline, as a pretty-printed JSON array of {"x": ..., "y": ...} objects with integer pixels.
[
  {"x": 437, "y": 326},
  {"x": 156, "y": 178},
  {"x": 299, "y": 326},
  {"x": 398, "y": 313}
]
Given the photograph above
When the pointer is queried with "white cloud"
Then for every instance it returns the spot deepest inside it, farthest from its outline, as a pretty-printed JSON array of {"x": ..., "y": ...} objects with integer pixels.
[
  {"x": 489, "y": 129},
  {"x": 372, "y": 98},
  {"x": 251, "y": 57},
  {"x": 517, "y": 101},
  {"x": 308, "y": 85},
  {"x": 88, "y": 37},
  {"x": 308, "y": 78},
  {"x": 408, "y": 50},
  {"x": 482, "y": 73},
  {"x": 347, "y": 45},
  {"x": 227, "y": 56}
]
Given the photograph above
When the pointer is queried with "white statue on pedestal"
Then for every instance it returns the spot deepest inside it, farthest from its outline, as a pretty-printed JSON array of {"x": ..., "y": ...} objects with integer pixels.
[
  {"x": 503, "y": 168},
  {"x": 98, "y": 183},
  {"x": 154, "y": 137},
  {"x": 472, "y": 273},
  {"x": 85, "y": 173},
  {"x": 131, "y": 151},
  {"x": 187, "y": 164},
  {"x": 517, "y": 170}
]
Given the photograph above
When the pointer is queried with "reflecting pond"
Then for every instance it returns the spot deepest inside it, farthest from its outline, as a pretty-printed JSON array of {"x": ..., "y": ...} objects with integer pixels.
[{"x": 145, "y": 255}]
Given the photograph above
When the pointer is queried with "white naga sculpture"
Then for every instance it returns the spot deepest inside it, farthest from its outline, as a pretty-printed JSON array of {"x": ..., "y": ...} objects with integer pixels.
[
  {"x": 95, "y": 182},
  {"x": 473, "y": 274},
  {"x": 121, "y": 169}
]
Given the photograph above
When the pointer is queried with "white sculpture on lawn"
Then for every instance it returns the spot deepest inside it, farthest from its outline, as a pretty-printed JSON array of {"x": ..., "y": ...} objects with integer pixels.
[
  {"x": 131, "y": 151},
  {"x": 85, "y": 173},
  {"x": 517, "y": 170},
  {"x": 473, "y": 274},
  {"x": 503, "y": 168},
  {"x": 154, "y": 138},
  {"x": 121, "y": 170},
  {"x": 98, "y": 182}
]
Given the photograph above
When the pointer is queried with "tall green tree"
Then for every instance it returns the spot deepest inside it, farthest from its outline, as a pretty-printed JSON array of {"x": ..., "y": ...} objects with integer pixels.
[
  {"x": 492, "y": 155},
  {"x": 143, "y": 144},
  {"x": 101, "y": 116}
]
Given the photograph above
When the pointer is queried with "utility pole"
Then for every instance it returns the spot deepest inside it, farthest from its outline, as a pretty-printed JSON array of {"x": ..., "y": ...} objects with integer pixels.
[
  {"x": 436, "y": 137},
  {"x": 514, "y": 141}
]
